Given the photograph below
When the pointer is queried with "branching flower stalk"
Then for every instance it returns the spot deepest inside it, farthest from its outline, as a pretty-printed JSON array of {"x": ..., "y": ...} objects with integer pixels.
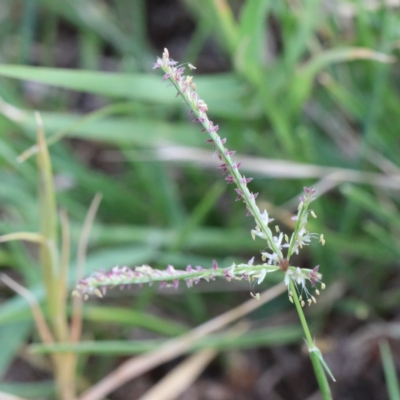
[{"x": 273, "y": 258}]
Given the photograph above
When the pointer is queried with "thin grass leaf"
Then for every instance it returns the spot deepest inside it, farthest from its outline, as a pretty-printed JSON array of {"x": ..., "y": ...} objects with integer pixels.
[
  {"x": 219, "y": 17},
  {"x": 365, "y": 200},
  {"x": 12, "y": 337},
  {"x": 263, "y": 337},
  {"x": 30, "y": 237},
  {"x": 392, "y": 381},
  {"x": 303, "y": 80},
  {"x": 308, "y": 18},
  {"x": 198, "y": 214},
  {"x": 224, "y": 90},
  {"x": 252, "y": 34},
  {"x": 121, "y": 316},
  {"x": 181, "y": 377}
]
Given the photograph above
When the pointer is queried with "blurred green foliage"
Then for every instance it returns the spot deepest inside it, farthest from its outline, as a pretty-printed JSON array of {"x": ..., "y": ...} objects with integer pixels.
[{"x": 301, "y": 82}]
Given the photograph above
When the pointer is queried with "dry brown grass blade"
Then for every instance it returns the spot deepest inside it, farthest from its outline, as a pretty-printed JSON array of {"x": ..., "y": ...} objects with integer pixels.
[
  {"x": 40, "y": 322},
  {"x": 272, "y": 168},
  {"x": 12, "y": 112},
  {"x": 175, "y": 347},
  {"x": 76, "y": 323},
  {"x": 181, "y": 377},
  {"x": 30, "y": 237}
]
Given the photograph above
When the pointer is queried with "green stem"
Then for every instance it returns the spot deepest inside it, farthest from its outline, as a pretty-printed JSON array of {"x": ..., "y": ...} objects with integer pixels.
[{"x": 318, "y": 370}]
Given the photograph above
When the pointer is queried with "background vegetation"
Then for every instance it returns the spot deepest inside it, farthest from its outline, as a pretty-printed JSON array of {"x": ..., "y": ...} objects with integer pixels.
[{"x": 306, "y": 91}]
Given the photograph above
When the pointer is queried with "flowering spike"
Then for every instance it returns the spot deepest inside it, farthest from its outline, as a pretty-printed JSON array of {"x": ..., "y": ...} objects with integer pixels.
[{"x": 273, "y": 257}]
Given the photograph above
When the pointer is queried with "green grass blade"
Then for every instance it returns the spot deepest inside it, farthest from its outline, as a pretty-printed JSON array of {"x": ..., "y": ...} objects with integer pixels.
[
  {"x": 263, "y": 337},
  {"x": 121, "y": 316},
  {"x": 252, "y": 31},
  {"x": 389, "y": 368},
  {"x": 222, "y": 91},
  {"x": 12, "y": 338},
  {"x": 365, "y": 200}
]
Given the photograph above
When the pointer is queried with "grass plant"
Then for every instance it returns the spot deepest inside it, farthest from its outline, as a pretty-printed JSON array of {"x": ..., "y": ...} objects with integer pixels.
[
  {"x": 307, "y": 92},
  {"x": 295, "y": 278}
]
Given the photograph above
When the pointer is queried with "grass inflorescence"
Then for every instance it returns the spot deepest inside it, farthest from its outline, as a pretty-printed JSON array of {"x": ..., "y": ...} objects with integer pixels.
[
  {"x": 294, "y": 277},
  {"x": 274, "y": 258}
]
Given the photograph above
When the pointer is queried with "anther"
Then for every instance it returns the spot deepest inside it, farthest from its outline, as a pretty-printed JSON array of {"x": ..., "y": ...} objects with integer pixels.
[{"x": 313, "y": 214}]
